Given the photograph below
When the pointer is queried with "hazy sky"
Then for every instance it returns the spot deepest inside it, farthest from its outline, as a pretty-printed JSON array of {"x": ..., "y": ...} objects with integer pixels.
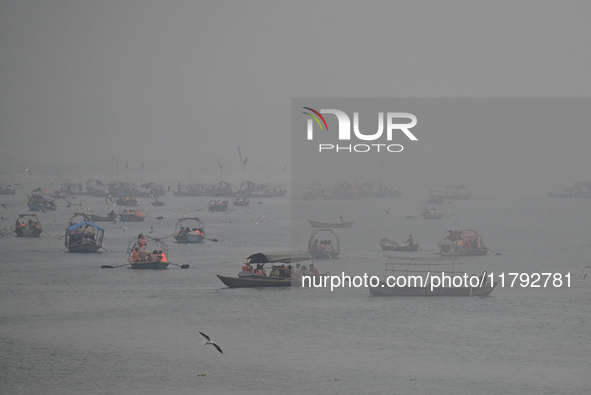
[{"x": 182, "y": 83}]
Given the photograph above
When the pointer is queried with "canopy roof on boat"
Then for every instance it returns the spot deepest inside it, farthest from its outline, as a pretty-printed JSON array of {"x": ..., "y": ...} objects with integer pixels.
[
  {"x": 279, "y": 256},
  {"x": 83, "y": 223},
  {"x": 466, "y": 234}
]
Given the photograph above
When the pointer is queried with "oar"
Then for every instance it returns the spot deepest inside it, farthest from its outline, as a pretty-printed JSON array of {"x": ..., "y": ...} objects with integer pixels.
[
  {"x": 214, "y": 240},
  {"x": 185, "y": 266},
  {"x": 344, "y": 255},
  {"x": 112, "y": 267},
  {"x": 157, "y": 217},
  {"x": 498, "y": 253},
  {"x": 162, "y": 238},
  {"x": 104, "y": 248},
  {"x": 46, "y": 233}
]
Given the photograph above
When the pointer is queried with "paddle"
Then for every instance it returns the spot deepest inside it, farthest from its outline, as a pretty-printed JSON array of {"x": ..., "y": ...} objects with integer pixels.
[
  {"x": 214, "y": 240},
  {"x": 157, "y": 217},
  {"x": 112, "y": 267},
  {"x": 185, "y": 266},
  {"x": 46, "y": 233},
  {"x": 498, "y": 253}
]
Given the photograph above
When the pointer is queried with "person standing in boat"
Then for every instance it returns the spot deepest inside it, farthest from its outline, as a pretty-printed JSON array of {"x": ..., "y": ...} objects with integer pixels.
[
  {"x": 142, "y": 246},
  {"x": 409, "y": 241}
]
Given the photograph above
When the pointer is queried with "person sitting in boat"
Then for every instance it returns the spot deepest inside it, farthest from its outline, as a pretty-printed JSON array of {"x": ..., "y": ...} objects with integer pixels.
[
  {"x": 161, "y": 256},
  {"x": 305, "y": 271},
  {"x": 313, "y": 271},
  {"x": 135, "y": 255},
  {"x": 409, "y": 241},
  {"x": 283, "y": 270},
  {"x": 247, "y": 268},
  {"x": 21, "y": 226},
  {"x": 154, "y": 256},
  {"x": 142, "y": 246},
  {"x": 460, "y": 242},
  {"x": 329, "y": 246},
  {"x": 260, "y": 271},
  {"x": 298, "y": 273},
  {"x": 315, "y": 244},
  {"x": 274, "y": 272}
]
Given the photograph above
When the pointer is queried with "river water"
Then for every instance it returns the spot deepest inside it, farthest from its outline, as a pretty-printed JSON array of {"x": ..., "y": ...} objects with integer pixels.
[{"x": 69, "y": 327}]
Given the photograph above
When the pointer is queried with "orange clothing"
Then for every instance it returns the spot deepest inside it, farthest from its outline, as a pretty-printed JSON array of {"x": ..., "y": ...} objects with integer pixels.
[
  {"x": 161, "y": 257},
  {"x": 135, "y": 256},
  {"x": 142, "y": 242},
  {"x": 246, "y": 268}
]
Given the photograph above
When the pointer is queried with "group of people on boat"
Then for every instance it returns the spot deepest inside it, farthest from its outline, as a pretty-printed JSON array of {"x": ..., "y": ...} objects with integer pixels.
[
  {"x": 276, "y": 271},
  {"x": 185, "y": 230},
  {"x": 31, "y": 225},
  {"x": 154, "y": 256},
  {"x": 457, "y": 238},
  {"x": 80, "y": 235},
  {"x": 323, "y": 245},
  {"x": 304, "y": 270}
]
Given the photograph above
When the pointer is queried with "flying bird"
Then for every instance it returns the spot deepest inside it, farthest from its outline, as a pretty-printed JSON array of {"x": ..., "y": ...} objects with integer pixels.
[
  {"x": 387, "y": 211},
  {"x": 208, "y": 341},
  {"x": 28, "y": 171}
]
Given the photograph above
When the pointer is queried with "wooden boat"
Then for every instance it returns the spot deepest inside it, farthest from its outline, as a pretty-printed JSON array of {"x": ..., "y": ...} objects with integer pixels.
[
  {"x": 462, "y": 242},
  {"x": 457, "y": 195},
  {"x": 189, "y": 230},
  {"x": 388, "y": 245},
  {"x": 38, "y": 202},
  {"x": 580, "y": 189},
  {"x": 240, "y": 201},
  {"x": 217, "y": 205},
  {"x": 156, "y": 202},
  {"x": 416, "y": 277},
  {"x": 251, "y": 190},
  {"x": 342, "y": 190},
  {"x": 83, "y": 235},
  {"x": 310, "y": 193},
  {"x": 432, "y": 212},
  {"x": 110, "y": 217},
  {"x": 341, "y": 224},
  {"x": 126, "y": 201},
  {"x": 153, "y": 244},
  {"x": 27, "y": 225},
  {"x": 131, "y": 216},
  {"x": 7, "y": 190},
  {"x": 323, "y": 249},
  {"x": 250, "y": 280}
]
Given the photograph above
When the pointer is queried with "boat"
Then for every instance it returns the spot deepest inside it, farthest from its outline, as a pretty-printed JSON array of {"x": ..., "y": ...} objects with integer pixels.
[
  {"x": 126, "y": 201},
  {"x": 27, "y": 225},
  {"x": 240, "y": 201},
  {"x": 251, "y": 190},
  {"x": 580, "y": 189},
  {"x": 96, "y": 188},
  {"x": 123, "y": 189},
  {"x": 388, "y": 245},
  {"x": 190, "y": 190},
  {"x": 82, "y": 235},
  {"x": 39, "y": 202},
  {"x": 323, "y": 249},
  {"x": 310, "y": 193},
  {"x": 457, "y": 195},
  {"x": 429, "y": 276},
  {"x": 250, "y": 280},
  {"x": 432, "y": 211},
  {"x": 462, "y": 242},
  {"x": 131, "y": 216},
  {"x": 189, "y": 230},
  {"x": 370, "y": 189},
  {"x": 343, "y": 190},
  {"x": 7, "y": 190},
  {"x": 110, "y": 217},
  {"x": 217, "y": 205},
  {"x": 342, "y": 224},
  {"x": 152, "y": 244},
  {"x": 156, "y": 202}
]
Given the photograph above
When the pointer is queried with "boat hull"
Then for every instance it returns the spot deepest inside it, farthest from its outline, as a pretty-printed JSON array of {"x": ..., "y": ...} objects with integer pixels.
[
  {"x": 98, "y": 218},
  {"x": 456, "y": 250},
  {"x": 189, "y": 238},
  {"x": 152, "y": 265},
  {"x": 387, "y": 245},
  {"x": 130, "y": 218},
  {"x": 384, "y": 290},
  {"x": 83, "y": 248},
  {"x": 255, "y": 281}
]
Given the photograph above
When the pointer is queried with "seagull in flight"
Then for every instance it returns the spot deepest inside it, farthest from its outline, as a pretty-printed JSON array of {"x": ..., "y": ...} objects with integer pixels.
[
  {"x": 208, "y": 341},
  {"x": 28, "y": 171}
]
